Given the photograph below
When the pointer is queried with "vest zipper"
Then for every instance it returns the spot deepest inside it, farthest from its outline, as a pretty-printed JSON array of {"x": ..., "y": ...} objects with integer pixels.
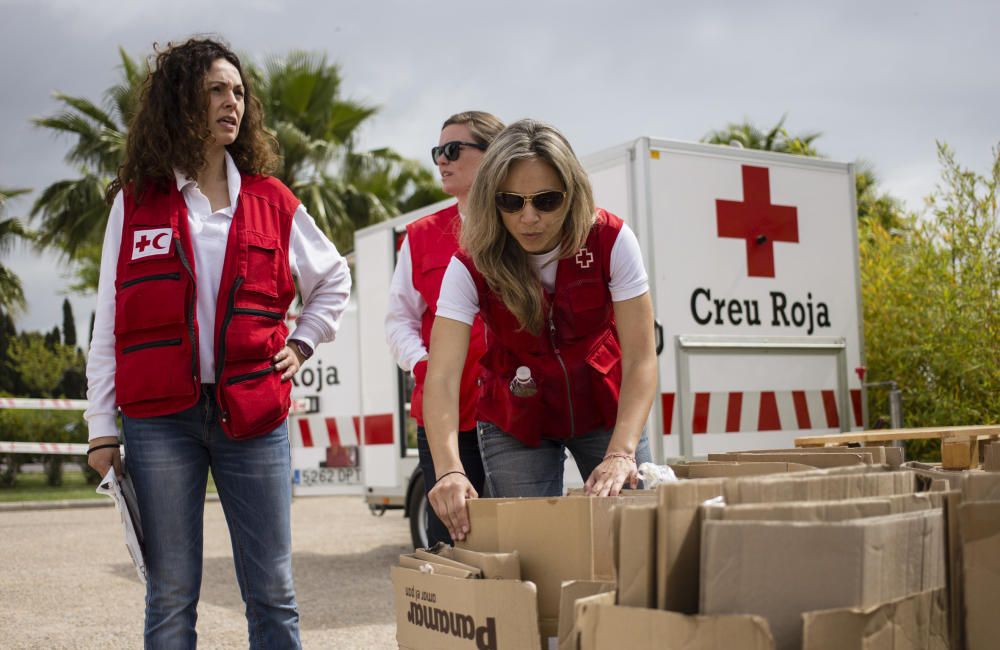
[
  {"x": 569, "y": 391},
  {"x": 220, "y": 349},
  {"x": 147, "y": 278},
  {"x": 151, "y": 344},
  {"x": 250, "y": 375},
  {"x": 195, "y": 371},
  {"x": 274, "y": 315}
]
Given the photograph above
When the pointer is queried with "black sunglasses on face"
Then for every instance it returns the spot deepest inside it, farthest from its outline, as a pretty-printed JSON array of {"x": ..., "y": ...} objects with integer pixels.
[
  {"x": 451, "y": 150},
  {"x": 547, "y": 201}
]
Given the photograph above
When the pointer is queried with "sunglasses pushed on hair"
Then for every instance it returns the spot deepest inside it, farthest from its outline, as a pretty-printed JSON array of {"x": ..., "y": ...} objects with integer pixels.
[
  {"x": 547, "y": 201},
  {"x": 453, "y": 149}
]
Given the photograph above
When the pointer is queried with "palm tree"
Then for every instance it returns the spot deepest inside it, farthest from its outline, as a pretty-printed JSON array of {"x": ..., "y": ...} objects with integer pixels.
[
  {"x": 72, "y": 212},
  {"x": 11, "y": 291},
  {"x": 747, "y": 135},
  {"x": 316, "y": 130},
  {"x": 343, "y": 188},
  {"x": 873, "y": 205}
]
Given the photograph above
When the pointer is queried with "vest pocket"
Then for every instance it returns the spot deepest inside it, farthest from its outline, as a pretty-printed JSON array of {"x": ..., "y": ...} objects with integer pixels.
[
  {"x": 256, "y": 402},
  {"x": 149, "y": 370},
  {"x": 148, "y": 302},
  {"x": 262, "y": 265},
  {"x": 254, "y": 334}
]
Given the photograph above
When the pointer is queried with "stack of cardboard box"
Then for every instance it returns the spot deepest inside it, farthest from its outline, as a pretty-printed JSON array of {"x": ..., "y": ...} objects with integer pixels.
[{"x": 763, "y": 555}]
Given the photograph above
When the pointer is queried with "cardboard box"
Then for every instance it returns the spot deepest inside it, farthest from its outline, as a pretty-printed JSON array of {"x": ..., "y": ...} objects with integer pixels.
[
  {"x": 826, "y": 510},
  {"x": 723, "y": 470},
  {"x": 979, "y": 524},
  {"x": 881, "y": 455},
  {"x": 492, "y": 565},
  {"x": 634, "y": 548},
  {"x": 678, "y": 541},
  {"x": 557, "y": 539},
  {"x": 980, "y": 486},
  {"x": 917, "y": 622},
  {"x": 824, "y": 485},
  {"x": 603, "y": 626},
  {"x": 572, "y": 591},
  {"x": 820, "y": 460},
  {"x": 436, "y": 612},
  {"x": 780, "y": 570}
]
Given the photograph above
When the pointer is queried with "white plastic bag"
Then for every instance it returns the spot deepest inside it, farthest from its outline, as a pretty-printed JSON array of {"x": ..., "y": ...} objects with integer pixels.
[{"x": 653, "y": 474}]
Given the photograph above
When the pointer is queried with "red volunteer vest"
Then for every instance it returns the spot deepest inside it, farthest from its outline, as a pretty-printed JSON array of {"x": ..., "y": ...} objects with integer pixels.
[
  {"x": 575, "y": 361},
  {"x": 156, "y": 330},
  {"x": 433, "y": 240}
]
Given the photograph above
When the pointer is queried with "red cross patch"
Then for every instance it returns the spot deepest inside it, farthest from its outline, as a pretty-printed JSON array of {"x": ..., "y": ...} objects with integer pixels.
[
  {"x": 146, "y": 243},
  {"x": 584, "y": 258}
]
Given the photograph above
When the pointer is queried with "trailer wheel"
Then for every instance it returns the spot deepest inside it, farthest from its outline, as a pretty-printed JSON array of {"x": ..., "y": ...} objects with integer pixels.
[{"x": 418, "y": 507}]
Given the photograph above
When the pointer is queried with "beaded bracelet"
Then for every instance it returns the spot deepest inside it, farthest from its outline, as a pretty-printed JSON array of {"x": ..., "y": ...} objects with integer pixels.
[{"x": 627, "y": 457}]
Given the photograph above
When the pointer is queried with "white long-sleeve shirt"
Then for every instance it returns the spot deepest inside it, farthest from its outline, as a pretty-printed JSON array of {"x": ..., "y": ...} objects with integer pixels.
[
  {"x": 323, "y": 277},
  {"x": 459, "y": 299},
  {"x": 404, "y": 312}
]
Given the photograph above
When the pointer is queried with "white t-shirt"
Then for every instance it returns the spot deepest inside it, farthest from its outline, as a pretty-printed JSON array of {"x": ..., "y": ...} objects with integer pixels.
[{"x": 459, "y": 299}]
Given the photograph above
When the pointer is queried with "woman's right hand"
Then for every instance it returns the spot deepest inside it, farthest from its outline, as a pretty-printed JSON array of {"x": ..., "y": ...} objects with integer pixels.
[
  {"x": 448, "y": 497},
  {"x": 103, "y": 459}
]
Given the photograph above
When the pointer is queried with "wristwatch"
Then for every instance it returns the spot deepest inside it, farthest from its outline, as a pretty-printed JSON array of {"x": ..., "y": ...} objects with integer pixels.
[{"x": 304, "y": 350}]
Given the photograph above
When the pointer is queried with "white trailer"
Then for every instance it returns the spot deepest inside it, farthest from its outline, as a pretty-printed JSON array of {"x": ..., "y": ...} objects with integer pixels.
[
  {"x": 324, "y": 425},
  {"x": 753, "y": 265}
]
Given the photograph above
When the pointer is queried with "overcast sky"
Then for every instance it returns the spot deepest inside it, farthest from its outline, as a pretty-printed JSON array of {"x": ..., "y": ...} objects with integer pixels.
[{"x": 881, "y": 79}]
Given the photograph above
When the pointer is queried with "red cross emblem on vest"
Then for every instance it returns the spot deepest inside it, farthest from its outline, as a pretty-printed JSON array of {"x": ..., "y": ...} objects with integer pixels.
[
  {"x": 153, "y": 241},
  {"x": 584, "y": 258},
  {"x": 757, "y": 221}
]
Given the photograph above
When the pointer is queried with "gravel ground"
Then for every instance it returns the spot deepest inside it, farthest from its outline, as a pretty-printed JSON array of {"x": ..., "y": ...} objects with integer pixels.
[{"x": 66, "y": 582}]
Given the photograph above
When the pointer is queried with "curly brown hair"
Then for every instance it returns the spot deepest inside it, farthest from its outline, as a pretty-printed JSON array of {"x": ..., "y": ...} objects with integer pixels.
[{"x": 170, "y": 127}]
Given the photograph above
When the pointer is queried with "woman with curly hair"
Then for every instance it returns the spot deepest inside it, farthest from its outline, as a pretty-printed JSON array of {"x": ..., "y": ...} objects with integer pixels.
[
  {"x": 571, "y": 362},
  {"x": 190, "y": 341}
]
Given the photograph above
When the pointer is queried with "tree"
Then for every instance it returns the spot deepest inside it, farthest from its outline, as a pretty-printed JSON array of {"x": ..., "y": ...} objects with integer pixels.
[
  {"x": 69, "y": 324},
  {"x": 72, "y": 212},
  {"x": 11, "y": 230},
  {"x": 341, "y": 187},
  {"x": 749, "y": 136},
  {"x": 316, "y": 130},
  {"x": 931, "y": 296},
  {"x": 871, "y": 202}
]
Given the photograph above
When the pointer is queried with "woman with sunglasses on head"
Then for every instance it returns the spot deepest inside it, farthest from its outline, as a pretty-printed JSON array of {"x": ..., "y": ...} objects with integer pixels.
[
  {"x": 190, "y": 339},
  {"x": 423, "y": 257},
  {"x": 571, "y": 365}
]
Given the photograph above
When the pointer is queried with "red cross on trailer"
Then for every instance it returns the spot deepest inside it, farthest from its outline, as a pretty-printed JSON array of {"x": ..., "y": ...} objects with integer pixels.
[{"x": 758, "y": 221}]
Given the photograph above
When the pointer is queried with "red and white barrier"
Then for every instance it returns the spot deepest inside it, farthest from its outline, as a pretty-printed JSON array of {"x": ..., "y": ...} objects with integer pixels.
[
  {"x": 736, "y": 411},
  {"x": 51, "y": 448},
  {"x": 43, "y": 404}
]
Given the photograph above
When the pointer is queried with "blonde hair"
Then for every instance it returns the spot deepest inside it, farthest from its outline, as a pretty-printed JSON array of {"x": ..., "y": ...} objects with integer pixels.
[
  {"x": 483, "y": 126},
  {"x": 497, "y": 255}
]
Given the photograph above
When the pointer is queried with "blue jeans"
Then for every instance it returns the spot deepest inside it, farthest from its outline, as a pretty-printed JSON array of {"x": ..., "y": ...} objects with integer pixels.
[
  {"x": 514, "y": 469},
  {"x": 468, "y": 453},
  {"x": 168, "y": 458}
]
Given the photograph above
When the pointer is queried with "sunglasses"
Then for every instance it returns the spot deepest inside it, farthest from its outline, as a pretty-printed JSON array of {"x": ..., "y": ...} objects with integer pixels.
[
  {"x": 451, "y": 150},
  {"x": 547, "y": 201}
]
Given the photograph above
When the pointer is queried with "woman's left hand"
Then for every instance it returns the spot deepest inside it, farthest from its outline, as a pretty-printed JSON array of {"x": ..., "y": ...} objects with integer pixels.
[
  {"x": 610, "y": 476},
  {"x": 287, "y": 361}
]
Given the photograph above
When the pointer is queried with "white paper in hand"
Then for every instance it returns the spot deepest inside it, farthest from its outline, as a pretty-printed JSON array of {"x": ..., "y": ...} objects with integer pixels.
[{"x": 123, "y": 494}]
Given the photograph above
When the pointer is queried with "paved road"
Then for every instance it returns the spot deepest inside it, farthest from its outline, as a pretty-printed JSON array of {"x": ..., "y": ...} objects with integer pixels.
[{"x": 66, "y": 582}]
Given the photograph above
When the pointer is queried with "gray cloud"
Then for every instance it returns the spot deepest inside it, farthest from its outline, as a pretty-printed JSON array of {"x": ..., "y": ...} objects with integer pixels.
[{"x": 881, "y": 80}]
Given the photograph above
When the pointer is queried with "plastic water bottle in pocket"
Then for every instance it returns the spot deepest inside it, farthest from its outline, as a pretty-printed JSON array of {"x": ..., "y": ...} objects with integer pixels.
[{"x": 523, "y": 384}]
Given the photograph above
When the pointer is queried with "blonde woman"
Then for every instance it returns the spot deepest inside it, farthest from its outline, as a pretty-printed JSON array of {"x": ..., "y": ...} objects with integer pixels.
[
  {"x": 571, "y": 364},
  {"x": 423, "y": 257}
]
